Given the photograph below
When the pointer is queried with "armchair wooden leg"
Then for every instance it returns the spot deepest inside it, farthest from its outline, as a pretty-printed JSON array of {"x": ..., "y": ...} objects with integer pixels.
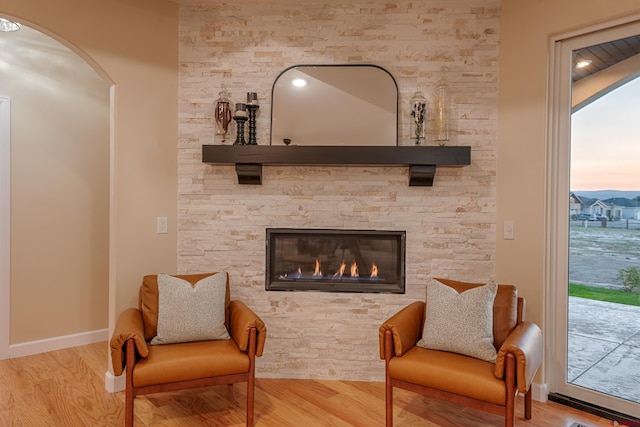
[
  {"x": 510, "y": 381},
  {"x": 250, "y": 401},
  {"x": 388, "y": 353},
  {"x": 510, "y": 416},
  {"x": 527, "y": 404},
  {"x": 251, "y": 382},
  {"x": 128, "y": 409},
  {"x": 130, "y": 357},
  {"x": 389, "y": 405}
]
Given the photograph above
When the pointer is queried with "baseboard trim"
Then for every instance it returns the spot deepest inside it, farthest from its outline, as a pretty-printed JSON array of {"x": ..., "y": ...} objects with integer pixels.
[
  {"x": 539, "y": 392},
  {"x": 114, "y": 384},
  {"x": 57, "y": 343}
]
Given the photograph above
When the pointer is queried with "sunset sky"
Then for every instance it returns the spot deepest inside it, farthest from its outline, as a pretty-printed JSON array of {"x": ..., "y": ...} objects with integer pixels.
[{"x": 605, "y": 142}]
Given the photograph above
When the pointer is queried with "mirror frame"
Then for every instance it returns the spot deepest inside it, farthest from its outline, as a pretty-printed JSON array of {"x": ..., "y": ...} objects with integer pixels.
[{"x": 394, "y": 143}]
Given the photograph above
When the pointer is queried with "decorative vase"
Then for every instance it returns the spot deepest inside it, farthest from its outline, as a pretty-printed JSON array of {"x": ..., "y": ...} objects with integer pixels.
[
  {"x": 222, "y": 114},
  {"x": 441, "y": 113},
  {"x": 418, "y": 117}
]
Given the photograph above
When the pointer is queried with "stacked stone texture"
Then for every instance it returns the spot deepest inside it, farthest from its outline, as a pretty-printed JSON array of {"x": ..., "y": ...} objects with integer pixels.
[{"x": 451, "y": 227}]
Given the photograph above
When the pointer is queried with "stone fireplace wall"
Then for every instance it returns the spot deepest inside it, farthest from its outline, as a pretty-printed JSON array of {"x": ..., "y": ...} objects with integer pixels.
[{"x": 450, "y": 226}]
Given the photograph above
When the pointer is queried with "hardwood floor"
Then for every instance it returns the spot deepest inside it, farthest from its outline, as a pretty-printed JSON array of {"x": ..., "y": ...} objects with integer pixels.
[{"x": 66, "y": 388}]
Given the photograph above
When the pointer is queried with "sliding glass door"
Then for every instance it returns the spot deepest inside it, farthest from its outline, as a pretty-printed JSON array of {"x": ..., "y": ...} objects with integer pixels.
[{"x": 593, "y": 232}]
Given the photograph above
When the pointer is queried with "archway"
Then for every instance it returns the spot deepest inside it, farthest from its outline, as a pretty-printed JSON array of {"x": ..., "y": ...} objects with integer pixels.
[{"x": 60, "y": 165}]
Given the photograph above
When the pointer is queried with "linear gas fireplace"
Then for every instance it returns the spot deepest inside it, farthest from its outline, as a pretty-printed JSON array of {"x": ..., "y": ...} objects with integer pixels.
[{"x": 335, "y": 260}]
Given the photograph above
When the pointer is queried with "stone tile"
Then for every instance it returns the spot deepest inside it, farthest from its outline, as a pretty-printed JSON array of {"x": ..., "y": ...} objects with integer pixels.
[
  {"x": 450, "y": 226},
  {"x": 617, "y": 322},
  {"x": 634, "y": 340},
  {"x": 616, "y": 374},
  {"x": 584, "y": 352}
]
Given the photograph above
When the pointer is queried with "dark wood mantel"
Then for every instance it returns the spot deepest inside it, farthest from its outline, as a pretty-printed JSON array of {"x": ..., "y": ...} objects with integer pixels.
[{"x": 422, "y": 160}]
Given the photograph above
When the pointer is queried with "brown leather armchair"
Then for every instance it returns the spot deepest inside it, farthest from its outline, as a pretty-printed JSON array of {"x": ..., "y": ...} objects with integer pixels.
[
  {"x": 475, "y": 383},
  {"x": 170, "y": 367}
]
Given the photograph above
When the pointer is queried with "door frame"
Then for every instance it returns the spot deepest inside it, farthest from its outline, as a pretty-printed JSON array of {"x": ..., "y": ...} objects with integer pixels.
[
  {"x": 557, "y": 190},
  {"x": 5, "y": 224}
]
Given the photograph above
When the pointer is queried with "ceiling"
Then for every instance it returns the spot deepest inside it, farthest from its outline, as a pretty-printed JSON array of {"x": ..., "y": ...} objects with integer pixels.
[
  {"x": 605, "y": 55},
  {"x": 602, "y": 55}
]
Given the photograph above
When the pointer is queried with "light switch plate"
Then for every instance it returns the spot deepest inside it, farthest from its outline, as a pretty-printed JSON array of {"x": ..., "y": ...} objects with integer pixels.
[
  {"x": 509, "y": 230},
  {"x": 161, "y": 225}
]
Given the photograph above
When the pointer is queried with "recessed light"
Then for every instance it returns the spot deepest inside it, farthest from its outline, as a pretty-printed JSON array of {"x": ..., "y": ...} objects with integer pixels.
[
  {"x": 299, "y": 82},
  {"x": 583, "y": 63},
  {"x": 7, "y": 26}
]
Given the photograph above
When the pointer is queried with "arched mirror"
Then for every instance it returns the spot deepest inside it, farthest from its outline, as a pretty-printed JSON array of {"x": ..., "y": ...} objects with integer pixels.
[{"x": 335, "y": 105}]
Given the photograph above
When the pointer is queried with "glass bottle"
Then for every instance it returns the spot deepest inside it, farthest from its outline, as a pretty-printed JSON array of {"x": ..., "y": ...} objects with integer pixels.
[
  {"x": 222, "y": 114},
  {"x": 418, "y": 117}
]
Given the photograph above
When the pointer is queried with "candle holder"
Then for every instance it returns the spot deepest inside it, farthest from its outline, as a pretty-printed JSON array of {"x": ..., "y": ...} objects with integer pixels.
[
  {"x": 252, "y": 106},
  {"x": 252, "y": 124},
  {"x": 240, "y": 116}
]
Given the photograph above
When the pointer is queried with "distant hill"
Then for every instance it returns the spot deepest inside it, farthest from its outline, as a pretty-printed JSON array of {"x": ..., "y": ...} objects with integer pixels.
[{"x": 608, "y": 194}]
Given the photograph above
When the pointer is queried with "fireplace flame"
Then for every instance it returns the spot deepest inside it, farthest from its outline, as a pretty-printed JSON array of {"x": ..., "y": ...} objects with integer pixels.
[
  {"x": 354, "y": 270},
  {"x": 317, "y": 272},
  {"x": 340, "y": 272}
]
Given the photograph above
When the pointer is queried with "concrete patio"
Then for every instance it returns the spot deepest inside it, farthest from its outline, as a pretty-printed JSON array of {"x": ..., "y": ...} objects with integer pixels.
[{"x": 604, "y": 347}]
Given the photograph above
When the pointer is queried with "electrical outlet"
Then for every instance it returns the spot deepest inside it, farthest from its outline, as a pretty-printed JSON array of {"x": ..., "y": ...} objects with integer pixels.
[
  {"x": 161, "y": 225},
  {"x": 508, "y": 232}
]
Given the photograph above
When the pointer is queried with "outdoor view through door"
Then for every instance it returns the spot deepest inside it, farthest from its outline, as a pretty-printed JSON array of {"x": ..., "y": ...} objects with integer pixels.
[{"x": 603, "y": 331}]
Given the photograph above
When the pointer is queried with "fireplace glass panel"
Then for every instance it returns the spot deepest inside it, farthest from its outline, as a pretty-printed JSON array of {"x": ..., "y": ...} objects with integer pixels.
[{"x": 335, "y": 260}]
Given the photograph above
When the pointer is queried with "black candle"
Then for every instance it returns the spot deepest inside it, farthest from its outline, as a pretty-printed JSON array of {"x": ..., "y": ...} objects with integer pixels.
[{"x": 252, "y": 98}]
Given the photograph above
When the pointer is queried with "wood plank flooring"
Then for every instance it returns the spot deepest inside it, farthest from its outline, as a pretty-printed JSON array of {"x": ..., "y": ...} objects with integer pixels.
[{"x": 65, "y": 388}]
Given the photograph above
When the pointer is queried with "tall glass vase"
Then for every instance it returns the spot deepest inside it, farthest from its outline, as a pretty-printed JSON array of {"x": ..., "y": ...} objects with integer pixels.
[{"x": 441, "y": 113}]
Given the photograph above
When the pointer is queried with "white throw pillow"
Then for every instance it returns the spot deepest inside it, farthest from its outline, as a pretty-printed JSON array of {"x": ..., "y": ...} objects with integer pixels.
[
  {"x": 191, "y": 312},
  {"x": 460, "y": 323}
]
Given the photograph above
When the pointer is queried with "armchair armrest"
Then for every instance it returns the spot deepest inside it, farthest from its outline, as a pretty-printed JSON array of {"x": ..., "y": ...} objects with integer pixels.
[
  {"x": 405, "y": 326},
  {"x": 128, "y": 326},
  {"x": 242, "y": 319},
  {"x": 525, "y": 342}
]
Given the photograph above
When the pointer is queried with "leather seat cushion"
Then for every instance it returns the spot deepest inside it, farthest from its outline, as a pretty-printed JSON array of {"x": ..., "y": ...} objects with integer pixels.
[
  {"x": 450, "y": 372},
  {"x": 188, "y": 361}
]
